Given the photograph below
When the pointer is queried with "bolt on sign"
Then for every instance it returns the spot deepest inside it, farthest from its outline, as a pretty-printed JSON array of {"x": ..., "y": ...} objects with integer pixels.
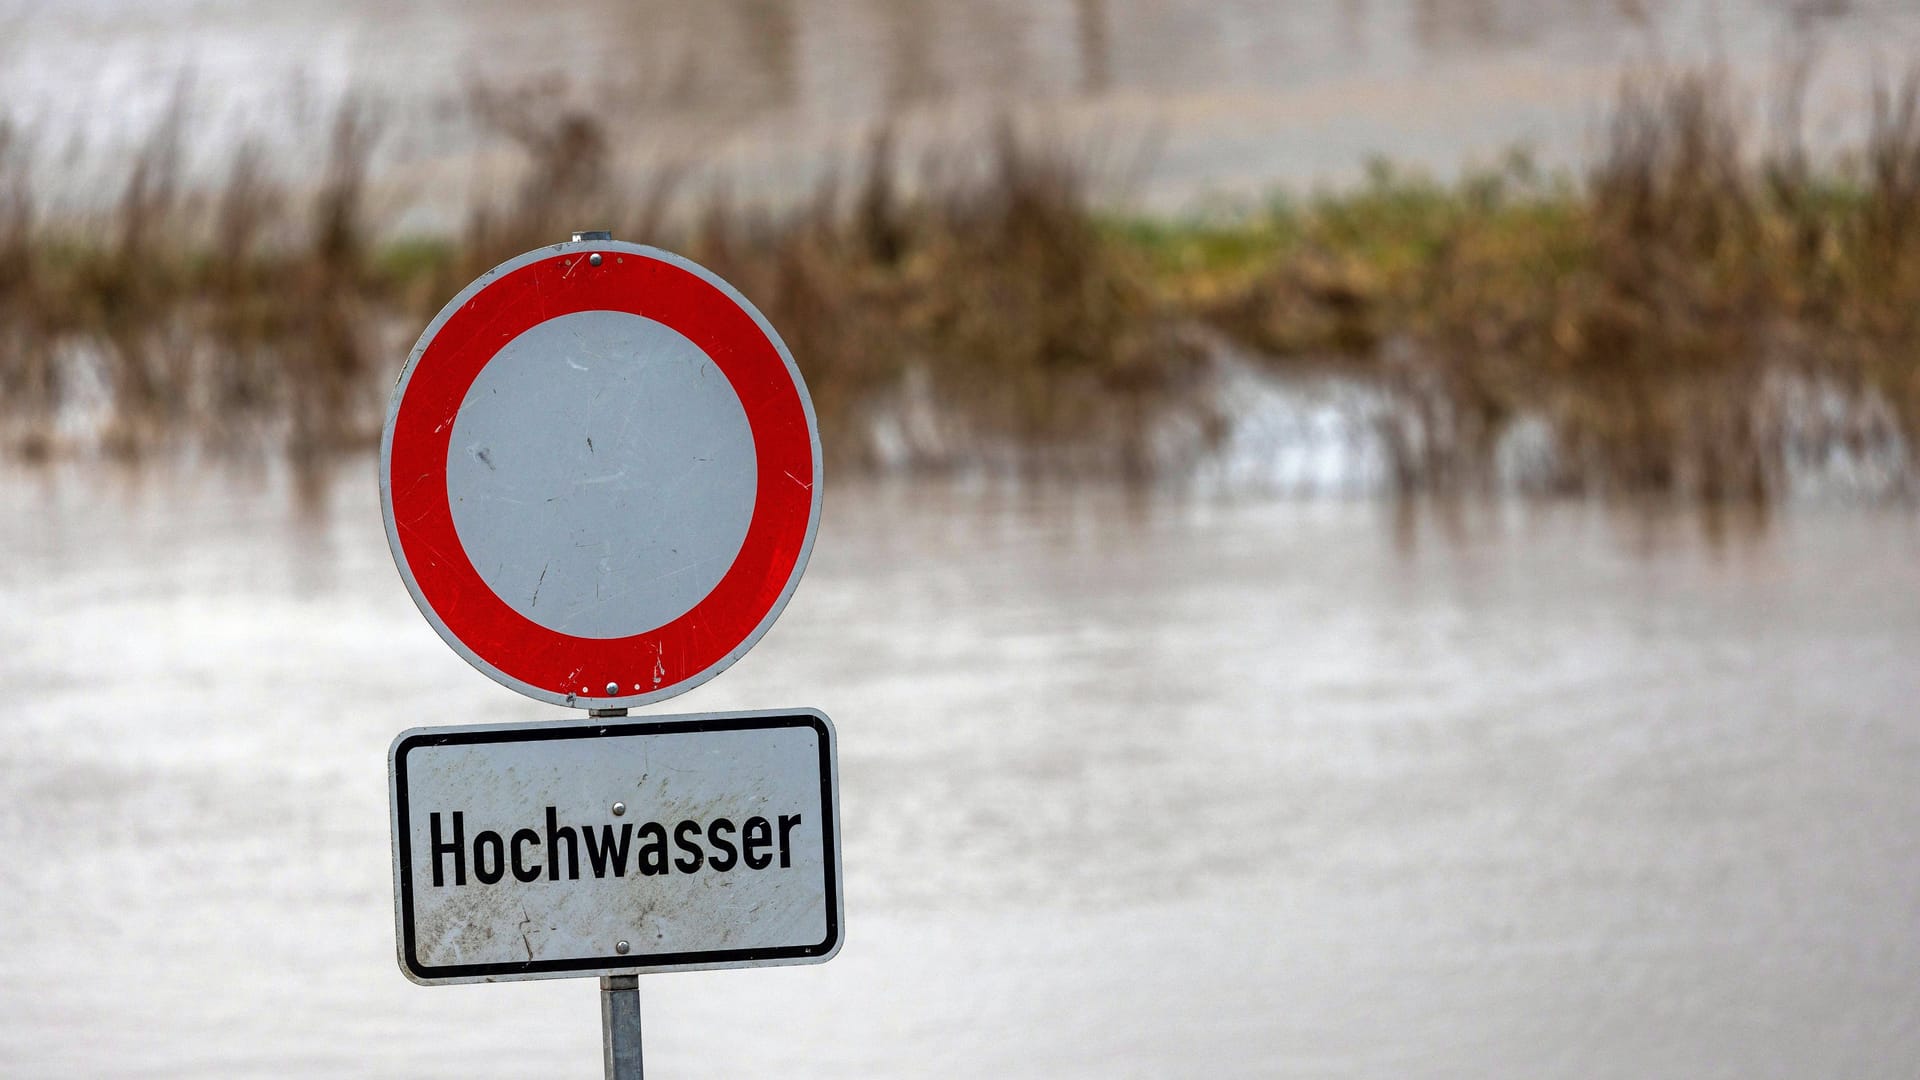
[{"x": 600, "y": 477}]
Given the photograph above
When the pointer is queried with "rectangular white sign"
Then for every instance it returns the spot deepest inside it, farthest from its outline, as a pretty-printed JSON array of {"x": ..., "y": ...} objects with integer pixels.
[{"x": 608, "y": 846}]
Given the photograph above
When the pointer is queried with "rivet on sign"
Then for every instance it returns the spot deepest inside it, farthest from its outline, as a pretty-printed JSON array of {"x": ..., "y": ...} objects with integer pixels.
[
  {"x": 619, "y": 808},
  {"x": 613, "y": 688},
  {"x": 620, "y": 947},
  {"x": 593, "y": 260}
]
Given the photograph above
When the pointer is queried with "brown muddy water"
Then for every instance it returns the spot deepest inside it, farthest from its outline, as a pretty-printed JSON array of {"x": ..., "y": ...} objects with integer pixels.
[
  {"x": 1134, "y": 785},
  {"x": 1180, "y": 100}
]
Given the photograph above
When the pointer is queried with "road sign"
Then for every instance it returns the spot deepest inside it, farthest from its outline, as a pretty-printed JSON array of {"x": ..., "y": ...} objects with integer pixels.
[
  {"x": 609, "y": 846},
  {"x": 600, "y": 474}
]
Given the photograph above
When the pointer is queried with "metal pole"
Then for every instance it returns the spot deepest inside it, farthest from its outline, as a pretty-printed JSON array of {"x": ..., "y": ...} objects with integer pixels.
[
  {"x": 620, "y": 1026},
  {"x": 619, "y": 994}
]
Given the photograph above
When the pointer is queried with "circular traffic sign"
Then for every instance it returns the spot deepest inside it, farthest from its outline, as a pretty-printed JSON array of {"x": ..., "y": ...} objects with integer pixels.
[{"x": 600, "y": 474}]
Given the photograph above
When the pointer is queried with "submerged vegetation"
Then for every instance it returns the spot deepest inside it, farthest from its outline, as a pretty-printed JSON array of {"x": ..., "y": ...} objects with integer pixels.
[{"x": 1673, "y": 320}]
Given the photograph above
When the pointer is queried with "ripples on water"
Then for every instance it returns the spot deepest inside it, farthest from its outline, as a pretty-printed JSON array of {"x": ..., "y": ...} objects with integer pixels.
[{"x": 1133, "y": 784}]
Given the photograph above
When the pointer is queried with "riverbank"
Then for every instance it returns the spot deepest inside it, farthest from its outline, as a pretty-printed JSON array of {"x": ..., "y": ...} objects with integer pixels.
[{"x": 1692, "y": 315}]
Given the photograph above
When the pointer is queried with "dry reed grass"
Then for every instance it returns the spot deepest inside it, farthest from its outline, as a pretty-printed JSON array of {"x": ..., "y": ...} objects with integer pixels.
[
  {"x": 1640, "y": 310},
  {"x": 1645, "y": 312}
]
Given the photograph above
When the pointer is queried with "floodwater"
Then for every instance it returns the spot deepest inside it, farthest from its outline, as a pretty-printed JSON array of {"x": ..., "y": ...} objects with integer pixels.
[
  {"x": 1182, "y": 101},
  {"x": 1134, "y": 785}
]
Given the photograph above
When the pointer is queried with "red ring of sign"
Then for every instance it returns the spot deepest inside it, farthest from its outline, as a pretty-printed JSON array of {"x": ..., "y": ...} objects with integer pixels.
[{"x": 423, "y": 517}]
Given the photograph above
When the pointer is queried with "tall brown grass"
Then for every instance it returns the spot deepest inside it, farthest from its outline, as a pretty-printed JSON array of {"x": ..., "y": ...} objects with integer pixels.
[
  {"x": 1646, "y": 311},
  {"x": 1649, "y": 312}
]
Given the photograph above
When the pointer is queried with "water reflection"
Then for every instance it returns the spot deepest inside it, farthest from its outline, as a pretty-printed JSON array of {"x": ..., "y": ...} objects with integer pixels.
[
  {"x": 1249, "y": 89},
  {"x": 1092, "y": 36}
]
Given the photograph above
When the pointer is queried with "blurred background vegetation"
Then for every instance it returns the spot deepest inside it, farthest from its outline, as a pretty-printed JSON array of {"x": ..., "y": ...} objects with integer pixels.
[{"x": 1675, "y": 311}]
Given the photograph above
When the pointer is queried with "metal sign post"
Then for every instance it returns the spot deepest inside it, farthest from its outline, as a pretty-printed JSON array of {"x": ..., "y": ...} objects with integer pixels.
[
  {"x": 620, "y": 1026},
  {"x": 600, "y": 477}
]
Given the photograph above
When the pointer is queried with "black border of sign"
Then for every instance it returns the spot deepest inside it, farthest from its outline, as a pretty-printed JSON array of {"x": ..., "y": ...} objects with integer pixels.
[{"x": 614, "y": 727}]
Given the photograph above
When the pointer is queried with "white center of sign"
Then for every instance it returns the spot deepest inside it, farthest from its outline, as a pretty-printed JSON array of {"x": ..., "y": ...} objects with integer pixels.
[{"x": 601, "y": 474}]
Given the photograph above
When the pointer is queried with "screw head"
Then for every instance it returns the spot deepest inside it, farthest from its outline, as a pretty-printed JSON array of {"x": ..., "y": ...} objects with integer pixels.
[
  {"x": 593, "y": 260},
  {"x": 613, "y": 688},
  {"x": 619, "y": 808},
  {"x": 620, "y": 947}
]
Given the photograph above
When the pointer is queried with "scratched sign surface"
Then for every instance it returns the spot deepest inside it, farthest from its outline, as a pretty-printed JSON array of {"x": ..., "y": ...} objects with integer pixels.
[
  {"x": 607, "y": 845},
  {"x": 600, "y": 474}
]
